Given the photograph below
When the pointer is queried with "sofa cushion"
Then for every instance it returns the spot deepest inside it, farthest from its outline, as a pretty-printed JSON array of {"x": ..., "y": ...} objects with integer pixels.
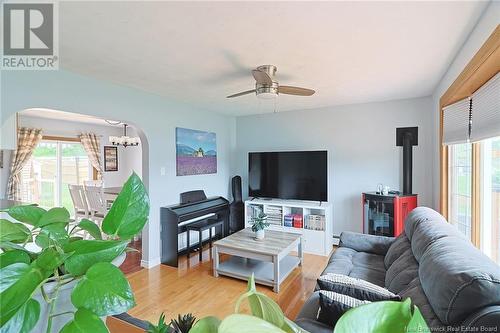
[
  {"x": 333, "y": 305},
  {"x": 403, "y": 270},
  {"x": 415, "y": 292},
  {"x": 419, "y": 215},
  {"x": 458, "y": 279},
  {"x": 365, "y": 242},
  {"x": 354, "y": 287},
  {"x": 397, "y": 248},
  {"x": 427, "y": 232},
  {"x": 367, "y": 266}
]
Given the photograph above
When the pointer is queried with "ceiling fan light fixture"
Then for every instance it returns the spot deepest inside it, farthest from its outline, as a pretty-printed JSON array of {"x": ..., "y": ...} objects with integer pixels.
[
  {"x": 267, "y": 95},
  {"x": 265, "y": 91}
]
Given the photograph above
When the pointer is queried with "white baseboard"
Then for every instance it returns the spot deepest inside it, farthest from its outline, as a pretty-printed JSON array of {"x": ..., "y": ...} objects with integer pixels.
[{"x": 150, "y": 263}]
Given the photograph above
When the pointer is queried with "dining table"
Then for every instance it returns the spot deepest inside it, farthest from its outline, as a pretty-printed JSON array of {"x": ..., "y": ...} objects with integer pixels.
[{"x": 110, "y": 193}]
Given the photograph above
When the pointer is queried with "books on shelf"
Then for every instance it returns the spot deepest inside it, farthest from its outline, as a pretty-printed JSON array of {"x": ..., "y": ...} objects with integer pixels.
[
  {"x": 314, "y": 222},
  {"x": 293, "y": 220},
  {"x": 274, "y": 214}
]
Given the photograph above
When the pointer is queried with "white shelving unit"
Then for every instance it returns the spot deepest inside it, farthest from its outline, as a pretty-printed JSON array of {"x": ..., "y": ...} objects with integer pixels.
[{"x": 318, "y": 242}]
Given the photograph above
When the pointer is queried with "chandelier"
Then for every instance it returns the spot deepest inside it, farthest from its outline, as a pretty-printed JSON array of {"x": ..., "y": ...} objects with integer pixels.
[{"x": 124, "y": 140}]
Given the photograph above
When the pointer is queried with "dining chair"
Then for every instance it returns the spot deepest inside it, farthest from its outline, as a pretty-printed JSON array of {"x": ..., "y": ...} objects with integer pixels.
[
  {"x": 79, "y": 202},
  {"x": 97, "y": 183},
  {"x": 96, "y": 202}
]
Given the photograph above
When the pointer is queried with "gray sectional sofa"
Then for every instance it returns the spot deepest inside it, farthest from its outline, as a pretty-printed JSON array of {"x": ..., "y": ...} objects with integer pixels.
[{"x": 431, "y": 262}]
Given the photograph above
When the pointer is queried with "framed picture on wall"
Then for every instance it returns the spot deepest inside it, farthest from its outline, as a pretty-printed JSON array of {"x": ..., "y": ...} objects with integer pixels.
[
  {"x": 196, "y": 152},
  {"x": 110, "y": 158}
]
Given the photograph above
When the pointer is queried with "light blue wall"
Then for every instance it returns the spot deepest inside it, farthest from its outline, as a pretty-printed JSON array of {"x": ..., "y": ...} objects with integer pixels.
[
  {"x": 361, "y": 144},
  {"x": 156, "y": 116}
]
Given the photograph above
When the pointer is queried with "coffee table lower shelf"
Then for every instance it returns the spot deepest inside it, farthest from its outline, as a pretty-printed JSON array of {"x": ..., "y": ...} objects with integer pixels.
[{"x": 242, "y": 268}]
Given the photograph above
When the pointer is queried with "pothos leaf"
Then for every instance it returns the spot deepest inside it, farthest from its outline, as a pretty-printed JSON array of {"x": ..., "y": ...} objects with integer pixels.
[
  {"x": 261, "y": 305},
  {"x": 85, "y": 321},
  {"x": 30, "y": 214},
  {"x": 247, "y": 324},
  {"x": 25, "y": 318},
  {"x": 206, "y": 325},
  {"x": 14, "y": 256},
  {"x": 14, "y": 232},
  {"x": 104, "y": 290},
  {"x": 129, "y": 211},
  {"x": 91, "y": 228}
]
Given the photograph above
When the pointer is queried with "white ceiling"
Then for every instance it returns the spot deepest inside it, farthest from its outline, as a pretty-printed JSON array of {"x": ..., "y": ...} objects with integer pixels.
[{"x": 200, "y": 52}]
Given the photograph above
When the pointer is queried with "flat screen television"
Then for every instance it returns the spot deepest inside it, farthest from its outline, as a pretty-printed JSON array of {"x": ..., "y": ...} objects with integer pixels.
[{"x": 299, "y": 175}]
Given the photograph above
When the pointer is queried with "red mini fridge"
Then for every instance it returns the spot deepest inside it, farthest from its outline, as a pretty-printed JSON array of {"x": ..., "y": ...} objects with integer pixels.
[{"x": 385, "y": 214}]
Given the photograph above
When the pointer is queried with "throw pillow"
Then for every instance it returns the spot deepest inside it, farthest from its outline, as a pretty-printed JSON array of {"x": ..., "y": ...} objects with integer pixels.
[
  {"x": 333, "y": 305},
  {"x": 355, "y": 287}
]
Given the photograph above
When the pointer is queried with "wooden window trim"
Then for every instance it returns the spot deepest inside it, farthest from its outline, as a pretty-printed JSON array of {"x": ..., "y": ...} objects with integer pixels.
[
  {"x": 483, "y": 66},
  {"x": 60, "y": 138}
]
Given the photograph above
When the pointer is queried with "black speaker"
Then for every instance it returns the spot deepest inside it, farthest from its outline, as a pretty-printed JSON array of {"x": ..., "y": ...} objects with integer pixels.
[
  {"x": 236, "y": 208},
  {"x": 236, "y": 185}
]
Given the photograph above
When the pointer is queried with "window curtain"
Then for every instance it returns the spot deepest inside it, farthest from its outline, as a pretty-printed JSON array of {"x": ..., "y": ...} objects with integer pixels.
[
  {"x": 475, "y": 118},
  {"x": 456, "y": 119},
  {"x": 486, "y": 110},
  {"x": 92, "y": 146},
  {"x": 27, "y": 140}
]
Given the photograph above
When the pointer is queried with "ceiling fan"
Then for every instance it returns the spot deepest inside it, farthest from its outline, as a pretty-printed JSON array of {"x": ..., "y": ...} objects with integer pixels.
[{"x": 266, "y": 86}]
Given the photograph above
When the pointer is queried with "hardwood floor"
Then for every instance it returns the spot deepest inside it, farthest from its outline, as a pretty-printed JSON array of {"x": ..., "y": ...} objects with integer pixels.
[{"x": 192, "y": 288}]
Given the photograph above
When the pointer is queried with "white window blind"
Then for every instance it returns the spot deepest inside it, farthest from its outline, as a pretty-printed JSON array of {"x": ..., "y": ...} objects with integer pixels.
[
  {"x": 456, "y": 122},
  {"x": 486, "y": 110}
]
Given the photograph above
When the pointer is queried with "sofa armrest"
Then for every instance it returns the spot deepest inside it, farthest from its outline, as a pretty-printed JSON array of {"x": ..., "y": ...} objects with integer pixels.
[
  {"x": 485, "y": 320},
  {"x": 313, "y": 326},
  {"x": 366, "y": 243}
]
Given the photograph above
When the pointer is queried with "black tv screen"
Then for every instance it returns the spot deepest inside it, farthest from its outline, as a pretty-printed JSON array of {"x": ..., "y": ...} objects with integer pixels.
[{"x": 299, "y": 175}]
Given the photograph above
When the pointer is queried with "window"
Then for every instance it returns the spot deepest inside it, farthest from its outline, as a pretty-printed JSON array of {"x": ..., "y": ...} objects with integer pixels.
[
  {"x": 461, "y": 179},
  {"x": 54, "y": 165},
  {"x": 490, "y": 198},
  {"x": 460, "y": 187}
]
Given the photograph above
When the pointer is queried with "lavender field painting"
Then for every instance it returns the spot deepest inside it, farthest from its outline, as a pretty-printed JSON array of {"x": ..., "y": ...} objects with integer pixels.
[{"x": 196, "y": 152}]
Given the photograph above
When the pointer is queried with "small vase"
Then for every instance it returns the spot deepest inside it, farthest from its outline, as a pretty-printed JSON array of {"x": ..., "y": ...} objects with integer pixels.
[{"x": 259, "y": 234}]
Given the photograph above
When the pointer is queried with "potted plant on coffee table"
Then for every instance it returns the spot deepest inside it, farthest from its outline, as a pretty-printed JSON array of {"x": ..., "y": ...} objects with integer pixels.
[
  {"x": 69, "y": 284},
  {"x": 259, "y": 223}
]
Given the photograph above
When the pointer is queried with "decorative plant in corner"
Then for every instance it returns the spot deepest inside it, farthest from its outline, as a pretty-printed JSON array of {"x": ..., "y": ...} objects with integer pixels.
[
  {"x": 34, "y": 286},
  {"x": 267, "y": 317},
  {"x": 183, "y": 324},
  {"x": 162, "y": 327},
  {"x": 259, "y": 223}
]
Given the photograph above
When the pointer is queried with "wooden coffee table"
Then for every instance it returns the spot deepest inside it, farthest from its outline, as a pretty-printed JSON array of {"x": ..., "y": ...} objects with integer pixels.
[{"x": 269, "y": 259}]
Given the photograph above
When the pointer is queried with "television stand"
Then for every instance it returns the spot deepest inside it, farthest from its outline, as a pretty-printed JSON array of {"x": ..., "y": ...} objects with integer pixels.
[{"x": 311, "y": 219}]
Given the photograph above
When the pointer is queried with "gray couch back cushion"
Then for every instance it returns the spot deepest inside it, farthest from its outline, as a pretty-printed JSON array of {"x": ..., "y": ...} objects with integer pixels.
[
  {"x": 401, "y": 272},
  {"x": 427, "y": 232},
  {"x": 458, "y": 279},
  {"x": 397, "y": 248},
  {"x": 419, "y": 215}
]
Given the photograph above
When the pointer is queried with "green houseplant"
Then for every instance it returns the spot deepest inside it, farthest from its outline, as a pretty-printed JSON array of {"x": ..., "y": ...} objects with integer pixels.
[
  {"x": 35, "y": 285},
  {"x": 259, "y": 223}
]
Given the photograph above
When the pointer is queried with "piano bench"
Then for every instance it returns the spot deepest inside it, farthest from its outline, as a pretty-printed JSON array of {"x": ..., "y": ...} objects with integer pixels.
[{"x": 200, "y": 227}]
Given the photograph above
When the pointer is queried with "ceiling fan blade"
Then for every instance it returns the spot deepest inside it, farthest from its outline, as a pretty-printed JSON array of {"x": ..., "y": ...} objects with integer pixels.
[
  {"x": 289, "y": 90},
  {"x": 261, "y": 77},
  {"x": 241, "y": 93}
]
